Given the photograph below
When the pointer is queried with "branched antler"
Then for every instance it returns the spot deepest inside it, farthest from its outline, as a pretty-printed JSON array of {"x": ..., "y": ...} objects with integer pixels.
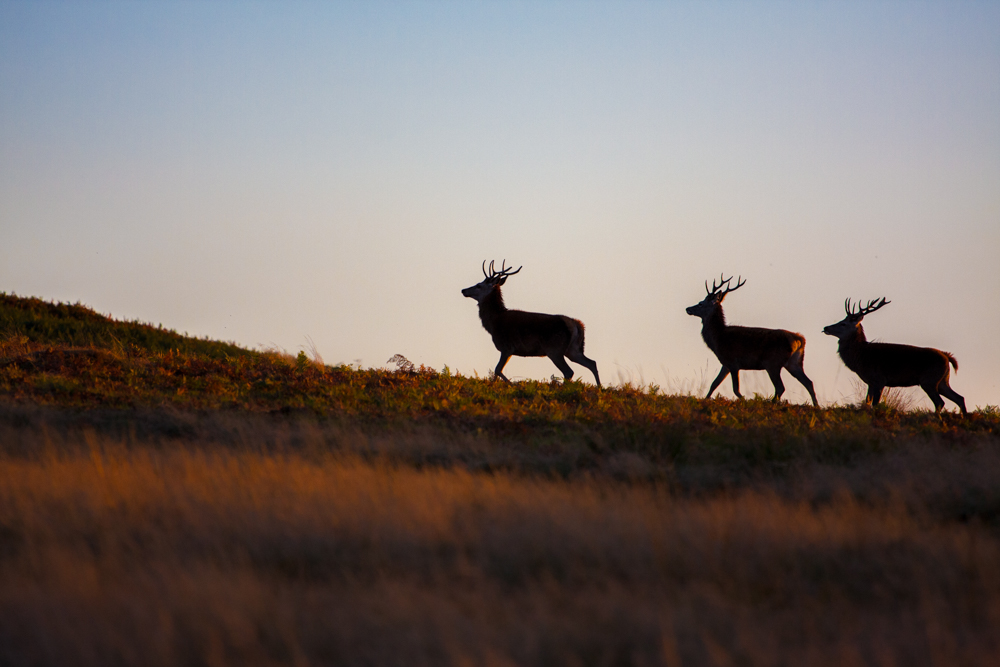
[
  {"x": 724, "y": 283},
  {"x": 861, "y": 311},
  {"x": 499, "y": 276}
]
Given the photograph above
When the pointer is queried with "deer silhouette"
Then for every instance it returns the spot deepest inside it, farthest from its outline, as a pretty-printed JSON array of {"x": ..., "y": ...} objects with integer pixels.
[
  {"x": 881, "y": 365},
  {"x": 523, "y": 334},
  {"x": 748, "y": 348}
]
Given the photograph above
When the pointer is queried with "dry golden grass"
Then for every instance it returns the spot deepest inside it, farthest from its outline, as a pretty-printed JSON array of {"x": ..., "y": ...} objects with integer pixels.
[{"x": 116, "y": 554}]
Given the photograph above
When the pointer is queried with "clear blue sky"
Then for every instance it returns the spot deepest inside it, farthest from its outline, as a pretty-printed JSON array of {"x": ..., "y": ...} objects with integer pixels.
[{"x": 268, "y": 172}]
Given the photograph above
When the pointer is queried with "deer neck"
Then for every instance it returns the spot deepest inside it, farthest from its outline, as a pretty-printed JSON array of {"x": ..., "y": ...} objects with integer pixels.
[
  {"x": 851, "y": 346},
  {"x": 492, "y": 310},
  {"x": 713, "y": 329}
]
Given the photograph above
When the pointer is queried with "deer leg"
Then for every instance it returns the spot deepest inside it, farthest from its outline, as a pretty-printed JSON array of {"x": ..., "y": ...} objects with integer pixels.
[
  {"x": 561, "y": 364},
  {"x": 586, "y": 362},
  {"x": 500, "y": 364},
  {"x": 779, "y": 386},
  {"x": 799, "y": 374},
  {"x": 736, "y": 383},
  {"x": 932, "y": 391},
  {"x": 874, "y": 394},
  {"x": 718, "y": 380},
  {"x": 954, "y": 396}
]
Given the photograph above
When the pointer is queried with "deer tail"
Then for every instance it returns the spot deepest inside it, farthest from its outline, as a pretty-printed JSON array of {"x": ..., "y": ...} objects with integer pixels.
[
  {"x": 797, "y": 343},
  {"x": 576, "y": 333},
  {"x": 952, "y": 360}
]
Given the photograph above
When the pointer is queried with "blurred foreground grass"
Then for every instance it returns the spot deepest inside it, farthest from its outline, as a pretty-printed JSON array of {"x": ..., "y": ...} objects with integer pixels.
[{"x": 122, "y": 552}]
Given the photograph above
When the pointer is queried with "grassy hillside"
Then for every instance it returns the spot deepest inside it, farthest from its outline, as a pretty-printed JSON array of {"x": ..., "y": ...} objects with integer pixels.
[
  {"x": 74, "y": 325},
  {"x": 70, "y": 357},
  {"x": 166, "y": 500}
]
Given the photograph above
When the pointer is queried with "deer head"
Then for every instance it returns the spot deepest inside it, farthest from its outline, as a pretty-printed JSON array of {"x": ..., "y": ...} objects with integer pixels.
[
  {"x": 714, "y": 297},
  {"x": 492, "y": 281},
  {"x": 850, "y": 324}
]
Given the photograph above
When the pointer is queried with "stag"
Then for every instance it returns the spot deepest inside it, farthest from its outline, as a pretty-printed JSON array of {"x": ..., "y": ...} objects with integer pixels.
[
  {"x": 881, "y": 365},
  {"x": 522, "y": 334},
  {"x": 749, "y": 348}
]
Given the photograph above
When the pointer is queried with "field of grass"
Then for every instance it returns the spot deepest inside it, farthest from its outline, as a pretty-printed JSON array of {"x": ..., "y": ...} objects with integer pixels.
[{"x": 166, "y": 500}]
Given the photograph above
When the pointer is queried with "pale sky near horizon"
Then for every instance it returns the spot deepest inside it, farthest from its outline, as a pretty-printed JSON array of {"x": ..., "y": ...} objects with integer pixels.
[{"x": 274, "y": 173}]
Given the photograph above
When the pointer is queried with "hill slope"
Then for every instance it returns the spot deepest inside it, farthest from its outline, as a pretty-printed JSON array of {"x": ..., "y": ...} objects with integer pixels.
[
  {"x": 67, "y": 356},
  {"x": 75, "y": 325}
]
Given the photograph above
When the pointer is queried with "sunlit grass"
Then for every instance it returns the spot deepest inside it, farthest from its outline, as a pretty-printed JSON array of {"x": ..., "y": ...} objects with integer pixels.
[{"x": 85, "y": 377}]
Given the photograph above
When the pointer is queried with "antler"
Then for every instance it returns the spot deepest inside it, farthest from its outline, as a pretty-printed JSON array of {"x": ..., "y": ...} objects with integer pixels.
[
  {"x": 861, "y": 311},
  {"x": 504, "y": 272},
  {"x": 724, "y": 283}
]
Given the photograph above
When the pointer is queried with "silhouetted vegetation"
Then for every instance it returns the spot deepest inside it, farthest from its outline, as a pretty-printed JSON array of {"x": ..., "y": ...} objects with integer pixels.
[{"x": 75, "y": 325}]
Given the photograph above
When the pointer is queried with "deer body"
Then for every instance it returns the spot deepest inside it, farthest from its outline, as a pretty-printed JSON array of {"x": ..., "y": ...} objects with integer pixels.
[
  {"x": 881, "y": 365},
  {"x": 749, "y": 348},
  {"x": 523, "y": 334}
]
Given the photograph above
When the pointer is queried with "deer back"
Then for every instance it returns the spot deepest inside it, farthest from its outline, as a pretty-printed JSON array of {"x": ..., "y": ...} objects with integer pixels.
[
  {"x": 755, "y": 348},
  {"x": 528, "y": 334},
  {"x": 896, "y": 365}
]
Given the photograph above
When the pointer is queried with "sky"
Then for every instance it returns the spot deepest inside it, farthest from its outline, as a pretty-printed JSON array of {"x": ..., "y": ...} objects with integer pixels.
[{"x": 329, "y": 176}]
